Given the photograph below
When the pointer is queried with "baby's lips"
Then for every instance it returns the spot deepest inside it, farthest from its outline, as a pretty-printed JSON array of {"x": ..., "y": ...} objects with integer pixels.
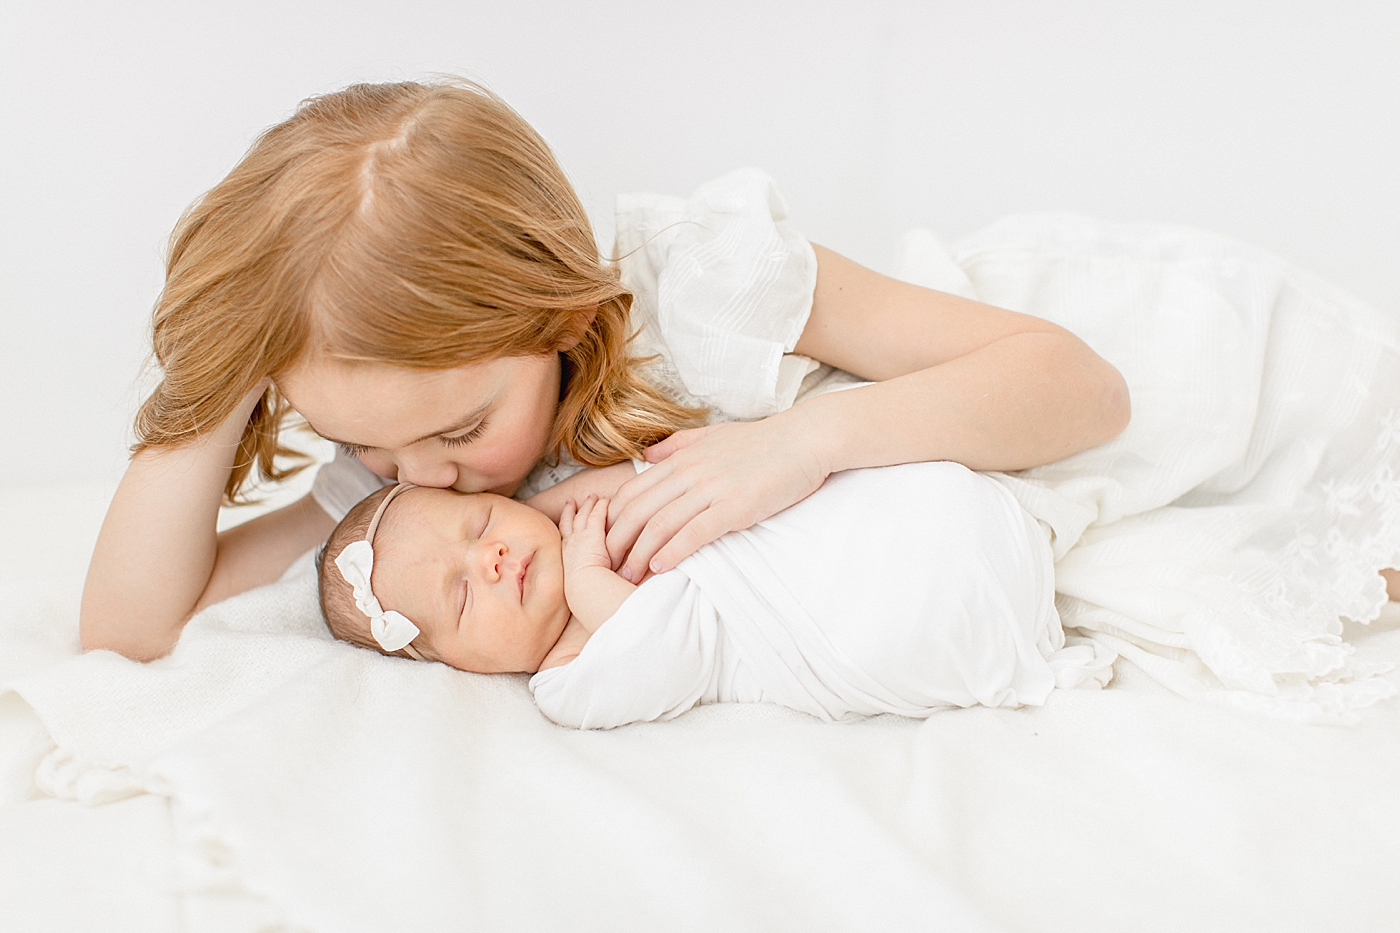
[{"x": 524, "y": 568}]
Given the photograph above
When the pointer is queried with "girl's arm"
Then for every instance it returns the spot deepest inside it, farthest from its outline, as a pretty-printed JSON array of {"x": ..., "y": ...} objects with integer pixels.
[
  {"x": 603, "y": 482},
  {"x": 956, "y": 380},
  {"x": 158, "y": 558}
]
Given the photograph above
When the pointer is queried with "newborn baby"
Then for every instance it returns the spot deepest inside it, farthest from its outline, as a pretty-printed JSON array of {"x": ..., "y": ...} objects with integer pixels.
[{"x": 902, "y": 589}]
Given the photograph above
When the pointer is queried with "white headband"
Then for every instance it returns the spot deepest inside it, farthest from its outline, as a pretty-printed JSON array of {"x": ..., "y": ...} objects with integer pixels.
[{"x": 391, "y": 629}]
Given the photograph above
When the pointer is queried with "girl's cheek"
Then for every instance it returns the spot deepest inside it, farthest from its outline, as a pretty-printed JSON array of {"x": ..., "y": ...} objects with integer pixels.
[
  {"x": 511, "y": 452},
  {"x": 380, "y": 464},
  {"x": 505, "y": 458}
]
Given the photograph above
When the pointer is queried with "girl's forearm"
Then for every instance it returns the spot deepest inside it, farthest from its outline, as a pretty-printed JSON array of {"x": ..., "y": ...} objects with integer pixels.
[
  {"x": 600, "y": 481},
  {"x": 1022, "y": 401},
  {"x": 157, "y": 547}
]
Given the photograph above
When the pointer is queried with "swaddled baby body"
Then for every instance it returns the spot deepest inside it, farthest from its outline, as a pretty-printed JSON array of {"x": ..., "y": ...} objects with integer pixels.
[{"x": 902, "y": 589}]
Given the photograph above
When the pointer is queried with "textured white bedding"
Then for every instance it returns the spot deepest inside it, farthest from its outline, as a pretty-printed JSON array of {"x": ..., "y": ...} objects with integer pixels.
[{"x": 1128, "y": 808}]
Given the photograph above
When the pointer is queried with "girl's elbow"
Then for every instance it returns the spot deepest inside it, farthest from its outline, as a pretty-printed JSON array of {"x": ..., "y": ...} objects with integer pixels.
[
  {"x": 1115, "y": 404},
  {"x": 126, "y": 641}
]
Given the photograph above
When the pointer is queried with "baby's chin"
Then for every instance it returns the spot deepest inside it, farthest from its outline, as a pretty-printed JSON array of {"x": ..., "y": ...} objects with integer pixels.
[{"x": 561, "y": 622}]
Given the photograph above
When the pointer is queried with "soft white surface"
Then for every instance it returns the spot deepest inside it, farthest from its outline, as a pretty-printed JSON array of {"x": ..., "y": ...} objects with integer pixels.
[
  {"x": 1123, "y": 808},
  {"x": 905, "y": 589}
]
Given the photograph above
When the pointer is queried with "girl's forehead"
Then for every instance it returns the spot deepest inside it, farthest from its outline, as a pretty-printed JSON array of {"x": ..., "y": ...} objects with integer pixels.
[{"x": 378, "y": 405}]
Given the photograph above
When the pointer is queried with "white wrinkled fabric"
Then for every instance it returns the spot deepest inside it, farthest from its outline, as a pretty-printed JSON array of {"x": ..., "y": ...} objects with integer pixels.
[
  {"x": 904, "y": 589},
  {"x": 1247, "y": 508},
  {"x": 722, "y": 290},
  {"x": 343, "y": 482}
]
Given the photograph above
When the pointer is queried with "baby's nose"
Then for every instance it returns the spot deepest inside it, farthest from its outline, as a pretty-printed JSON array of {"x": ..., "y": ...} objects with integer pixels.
[{"x": 492, "y": 556}]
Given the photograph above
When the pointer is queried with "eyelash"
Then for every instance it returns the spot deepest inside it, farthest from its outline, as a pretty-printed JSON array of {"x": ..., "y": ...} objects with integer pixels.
[
  {"x": 467, "y": 438},
  {"x": 359, "y": 450}
]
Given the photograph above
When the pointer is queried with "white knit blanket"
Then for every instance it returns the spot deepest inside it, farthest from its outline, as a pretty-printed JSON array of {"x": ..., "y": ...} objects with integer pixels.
[
  {"x": 353, "y": 792},
  {"x": 367, "y": 793}
]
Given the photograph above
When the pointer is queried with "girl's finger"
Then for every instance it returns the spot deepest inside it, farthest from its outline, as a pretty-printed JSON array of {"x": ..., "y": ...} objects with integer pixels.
[
  {"x": 628, "y": 524},
  {"x": 709, "y": 525},
  {"x": 663, "y": 449},
  {"x": 634, "y": 487},
  {"x": 662, "y": 527}
]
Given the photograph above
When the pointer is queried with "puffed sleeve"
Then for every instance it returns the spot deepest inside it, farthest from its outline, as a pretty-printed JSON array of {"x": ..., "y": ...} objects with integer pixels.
[{"x": 722, "y": 289}]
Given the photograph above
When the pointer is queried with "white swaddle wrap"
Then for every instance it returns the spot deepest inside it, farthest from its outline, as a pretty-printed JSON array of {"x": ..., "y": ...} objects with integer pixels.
[{"x": 902, "y": 589}]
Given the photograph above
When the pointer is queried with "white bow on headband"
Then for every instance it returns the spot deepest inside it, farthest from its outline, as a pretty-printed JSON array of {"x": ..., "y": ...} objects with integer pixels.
[{"x": 391, "y": 629}]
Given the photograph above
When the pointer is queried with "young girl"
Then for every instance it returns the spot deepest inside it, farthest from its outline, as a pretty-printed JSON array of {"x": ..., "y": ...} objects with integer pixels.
[
  {"x": 905, "y": 589},
  {"x": 407, "y": 267}
]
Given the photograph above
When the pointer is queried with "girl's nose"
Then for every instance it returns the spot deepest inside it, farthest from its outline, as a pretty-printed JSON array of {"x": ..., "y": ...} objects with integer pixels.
[{"x": 426, "y": 471}]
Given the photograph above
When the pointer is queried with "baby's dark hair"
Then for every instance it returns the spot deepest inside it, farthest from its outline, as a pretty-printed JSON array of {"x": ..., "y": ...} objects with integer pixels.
[{"x": 343, "y": 617}]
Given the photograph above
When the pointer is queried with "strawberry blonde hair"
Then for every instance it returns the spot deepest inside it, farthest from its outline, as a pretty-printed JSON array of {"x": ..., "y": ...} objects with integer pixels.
[{"x": 419, "y": 225}]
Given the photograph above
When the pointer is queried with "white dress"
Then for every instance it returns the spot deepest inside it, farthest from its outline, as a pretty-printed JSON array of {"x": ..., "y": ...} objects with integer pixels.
[
  {"x": 1219, "y": 541},
  {"x": 1248, "y": 507},
  {"x": 903, "y": 589}
]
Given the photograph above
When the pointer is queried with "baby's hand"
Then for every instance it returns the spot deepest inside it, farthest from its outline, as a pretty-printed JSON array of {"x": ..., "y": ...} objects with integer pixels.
[
  {"x": 584, "y": 528},
  {"x": 591, "y": 589}
]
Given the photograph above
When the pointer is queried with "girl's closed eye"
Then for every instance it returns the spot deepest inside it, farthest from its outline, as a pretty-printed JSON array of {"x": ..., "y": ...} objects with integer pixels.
[
  {"x": 456, "y": 440},
  {"x": 460, "y": 439}
]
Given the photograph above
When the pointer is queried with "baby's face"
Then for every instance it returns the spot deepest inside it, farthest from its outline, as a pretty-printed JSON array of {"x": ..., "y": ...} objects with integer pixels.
[{"x": 481, "y": 576}]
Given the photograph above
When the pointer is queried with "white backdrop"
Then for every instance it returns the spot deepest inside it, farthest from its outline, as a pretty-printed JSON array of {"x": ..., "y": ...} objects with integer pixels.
[{"x": 1277, "y": 122}]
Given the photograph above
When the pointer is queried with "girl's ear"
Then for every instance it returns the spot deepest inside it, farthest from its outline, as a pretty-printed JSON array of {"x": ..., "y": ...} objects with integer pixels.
[{"x": 577, "y": 328}]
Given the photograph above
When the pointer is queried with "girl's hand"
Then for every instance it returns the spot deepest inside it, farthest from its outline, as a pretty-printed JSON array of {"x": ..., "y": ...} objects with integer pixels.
[
  {"x": 582, "y": 528},
  {"x": 708, "y": 482}
]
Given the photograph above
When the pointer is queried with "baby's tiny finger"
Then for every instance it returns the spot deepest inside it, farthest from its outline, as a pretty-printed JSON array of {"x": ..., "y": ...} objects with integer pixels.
[{"x": 566, "y": 517}]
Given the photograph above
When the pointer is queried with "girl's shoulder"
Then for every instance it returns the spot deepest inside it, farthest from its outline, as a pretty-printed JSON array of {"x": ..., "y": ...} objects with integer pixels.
[{"x": 722, "y": 288}]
